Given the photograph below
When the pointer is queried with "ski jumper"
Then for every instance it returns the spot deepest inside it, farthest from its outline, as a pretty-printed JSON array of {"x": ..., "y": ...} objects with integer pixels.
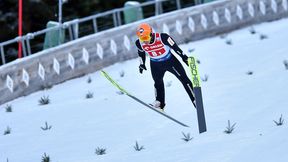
[{"x": 162, "y": 60}]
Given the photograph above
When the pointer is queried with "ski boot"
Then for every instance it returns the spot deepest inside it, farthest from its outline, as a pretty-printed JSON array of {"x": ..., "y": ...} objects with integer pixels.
[{"x": 158, "y": 105}]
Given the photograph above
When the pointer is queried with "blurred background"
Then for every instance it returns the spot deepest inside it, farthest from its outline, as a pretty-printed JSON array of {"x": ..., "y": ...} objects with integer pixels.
[{"x": 37, "y": 13}]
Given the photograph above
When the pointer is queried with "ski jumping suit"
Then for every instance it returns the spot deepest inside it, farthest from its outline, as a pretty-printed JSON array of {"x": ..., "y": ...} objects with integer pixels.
[{"x": 162, "y": 60}]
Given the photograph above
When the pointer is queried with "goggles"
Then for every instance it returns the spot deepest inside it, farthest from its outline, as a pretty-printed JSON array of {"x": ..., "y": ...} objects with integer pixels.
[{"x": 145, "y": 38}]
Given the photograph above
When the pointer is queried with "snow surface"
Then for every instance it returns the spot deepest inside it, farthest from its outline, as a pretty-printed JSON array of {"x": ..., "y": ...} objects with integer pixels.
[{"x": 115, "y": 122}]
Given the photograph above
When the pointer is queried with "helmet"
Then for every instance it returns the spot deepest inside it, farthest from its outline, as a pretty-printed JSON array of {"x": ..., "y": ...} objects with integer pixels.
[{"x": 143, "y": 32}]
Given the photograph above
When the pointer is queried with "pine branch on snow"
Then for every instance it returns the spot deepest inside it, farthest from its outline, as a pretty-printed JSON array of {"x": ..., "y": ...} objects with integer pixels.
[
  {"x": 137, "y": 147},
  {"x": 187, "y": 137},
  {"x": 205, "y": 78},
  {"x": 45, "y": 158},
  {"x": 285, "y": 62},
  {"x": 89, "y": 80},
  {"x": 263, "y": 36},
  {"x": 44, "y": 100},
  {"x": 100, "y": 151},
  {"x": 46, "y": 127},
  {"x": 122, "y": 73},
  {"x": 229, "y": 41},
  {"x": 89, "y": 95},
  {"x": 8, "y": 108},
  {"x": 280, "y": 121},
  {"x": 7, "y": 131},
  {"x": 252, "y": 30},
  {"x": 169, "y": 84},
  {"x": 249, "y": 73},
  {"x": 229, "y": 128}
]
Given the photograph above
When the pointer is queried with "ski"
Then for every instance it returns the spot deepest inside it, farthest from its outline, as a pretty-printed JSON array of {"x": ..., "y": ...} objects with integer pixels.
[
  {"x": 198, "y": 94},
  {"x": 103, "y": 73}
]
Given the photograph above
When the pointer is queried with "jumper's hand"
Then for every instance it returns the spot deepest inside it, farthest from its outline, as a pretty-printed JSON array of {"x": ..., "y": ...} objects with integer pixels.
[
  {"x": 185, "y": 59},
  {"x": 141, "y": 68}
]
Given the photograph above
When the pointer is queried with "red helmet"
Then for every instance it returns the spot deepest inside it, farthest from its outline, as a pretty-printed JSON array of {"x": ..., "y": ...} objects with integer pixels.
[{"x": 143, "y": 32}]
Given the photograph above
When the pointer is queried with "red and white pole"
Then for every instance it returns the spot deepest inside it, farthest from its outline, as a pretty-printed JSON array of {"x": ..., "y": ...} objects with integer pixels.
[{"x": 19, "y": 27}]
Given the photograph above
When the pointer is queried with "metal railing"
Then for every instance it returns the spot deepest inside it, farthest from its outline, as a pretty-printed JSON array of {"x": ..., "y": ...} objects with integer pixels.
[{"x": 69, "y": 26}]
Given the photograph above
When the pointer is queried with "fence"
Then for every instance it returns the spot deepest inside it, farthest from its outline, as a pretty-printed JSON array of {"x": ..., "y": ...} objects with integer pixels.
[{"x": 93, "y": 52}]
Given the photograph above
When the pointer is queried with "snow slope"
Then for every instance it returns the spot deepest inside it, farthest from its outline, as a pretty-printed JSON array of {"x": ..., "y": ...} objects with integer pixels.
[{"x": 116, "y": 122}]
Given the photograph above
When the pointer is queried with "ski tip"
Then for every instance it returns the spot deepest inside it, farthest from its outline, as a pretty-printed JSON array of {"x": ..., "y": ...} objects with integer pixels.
[{"x": 102, "y": 72}]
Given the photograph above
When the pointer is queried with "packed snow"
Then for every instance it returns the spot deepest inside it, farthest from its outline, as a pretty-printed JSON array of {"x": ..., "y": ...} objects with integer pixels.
[{"x": 247, "y": 85}]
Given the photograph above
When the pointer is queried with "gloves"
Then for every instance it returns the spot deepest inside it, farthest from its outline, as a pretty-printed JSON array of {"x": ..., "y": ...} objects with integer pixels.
[
  {"x": 141, "y": 67},
  {"x": 185, "y": 59}
]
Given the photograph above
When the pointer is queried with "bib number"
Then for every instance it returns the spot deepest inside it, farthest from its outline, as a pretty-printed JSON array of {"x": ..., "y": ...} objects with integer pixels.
[{"x": 157, "y": 53}]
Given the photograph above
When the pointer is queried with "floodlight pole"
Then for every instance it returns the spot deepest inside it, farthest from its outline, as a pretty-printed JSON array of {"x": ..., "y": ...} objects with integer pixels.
[
  {"x": 20, "y": 28},
  {"x": 60, "y": 11}
]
